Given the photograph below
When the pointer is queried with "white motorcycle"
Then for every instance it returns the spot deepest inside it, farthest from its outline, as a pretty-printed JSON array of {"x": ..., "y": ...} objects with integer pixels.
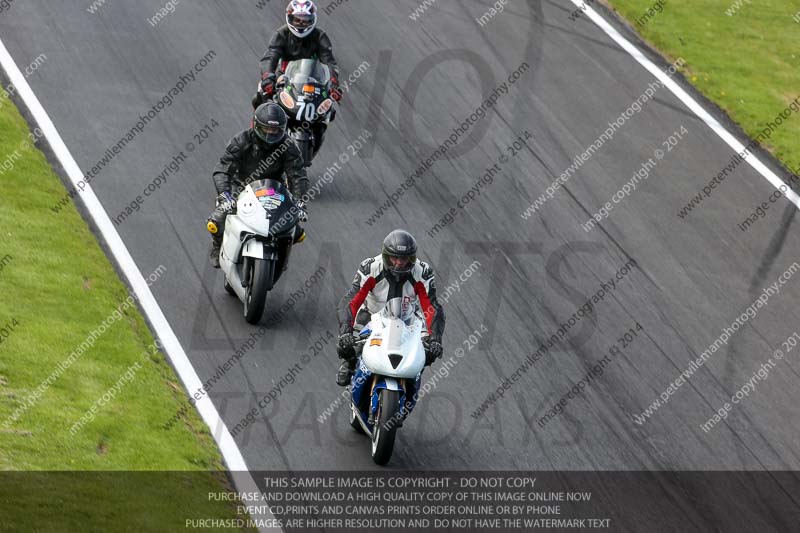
[
  {"x": 391, "y": 362},
  {"x": 257, "y": 242}
]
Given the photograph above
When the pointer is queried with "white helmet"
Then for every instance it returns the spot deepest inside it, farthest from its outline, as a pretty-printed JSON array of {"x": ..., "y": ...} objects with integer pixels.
[{"x": 301, "y": 17}]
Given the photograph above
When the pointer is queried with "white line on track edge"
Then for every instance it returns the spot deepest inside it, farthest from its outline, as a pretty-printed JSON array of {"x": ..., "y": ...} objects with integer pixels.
[
  {"x": 171, "y": 345},
  {"x": 690, "y": 102}
]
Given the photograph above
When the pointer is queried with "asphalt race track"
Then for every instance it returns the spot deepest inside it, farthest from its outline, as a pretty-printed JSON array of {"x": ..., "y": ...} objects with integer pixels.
[{"x": 690, "y": 276}]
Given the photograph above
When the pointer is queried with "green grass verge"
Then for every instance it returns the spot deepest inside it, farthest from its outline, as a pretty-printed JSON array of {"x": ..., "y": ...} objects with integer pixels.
[
  {"x": 57, "y": 286},
  {"x": 746, "y": 62}
]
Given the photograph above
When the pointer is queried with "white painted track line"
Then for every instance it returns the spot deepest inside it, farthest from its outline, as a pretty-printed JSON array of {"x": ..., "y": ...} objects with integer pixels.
[
  {"x": 171, "y": 345},
  {"x": 690, "y": 102}
]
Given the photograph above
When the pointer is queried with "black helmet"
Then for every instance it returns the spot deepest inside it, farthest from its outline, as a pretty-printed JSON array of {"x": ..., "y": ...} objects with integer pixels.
[
  {"x": 269, "y": 123},
  {"x": 399, "y": 243}
]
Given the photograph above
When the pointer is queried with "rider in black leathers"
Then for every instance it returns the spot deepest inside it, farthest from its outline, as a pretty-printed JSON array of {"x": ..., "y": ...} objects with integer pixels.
[
  {"x": 298, "y": 39},
  {"x": 263, "y": 151}
]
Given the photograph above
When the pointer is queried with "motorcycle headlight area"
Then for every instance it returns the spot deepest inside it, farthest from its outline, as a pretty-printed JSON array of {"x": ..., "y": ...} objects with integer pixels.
[
  {"x": 325, "y": 106},
  {"x": 287, "y": 100}
]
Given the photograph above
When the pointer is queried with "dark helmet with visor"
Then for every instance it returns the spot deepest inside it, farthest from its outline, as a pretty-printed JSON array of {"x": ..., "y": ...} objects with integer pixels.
[
  {"x": 269, "y": 123},
  {"x": 399, "y": 244}
]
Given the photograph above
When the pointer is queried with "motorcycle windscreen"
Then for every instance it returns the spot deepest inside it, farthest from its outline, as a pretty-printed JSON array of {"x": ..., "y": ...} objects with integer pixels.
[
  {"x": 400, "y": 315},
  {"x": 276, "y": 200},
  {"x": 307, "y": 71}
]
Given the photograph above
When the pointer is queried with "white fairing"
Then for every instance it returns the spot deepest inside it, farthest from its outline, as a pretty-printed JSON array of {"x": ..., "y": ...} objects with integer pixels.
[
  {"x": 394, "y": 336},
  {"x": 251, "y": 217},
  {"x": 253, "y": 248}
]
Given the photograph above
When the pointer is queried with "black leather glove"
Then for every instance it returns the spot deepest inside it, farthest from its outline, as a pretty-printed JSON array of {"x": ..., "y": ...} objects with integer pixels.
[
  {"x": 336, "y": 92},
  {"x": 433, "y": 350},
  {"x": 303, "y": 214},
  {"x": 225, "y": 201},
  {"x": 345, "y": 345},
  {"x": 268, "y": 84}
]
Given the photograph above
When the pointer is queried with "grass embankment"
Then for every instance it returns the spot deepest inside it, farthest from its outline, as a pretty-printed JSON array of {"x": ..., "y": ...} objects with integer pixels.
[
  {"x": 740, "y": 54},
  {"x": 56, "y": 286}
]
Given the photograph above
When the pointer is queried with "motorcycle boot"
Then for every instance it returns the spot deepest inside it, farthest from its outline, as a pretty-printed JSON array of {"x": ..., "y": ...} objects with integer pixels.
[
  {"x": 215, "y": 226},
  {"x": 213, "y": 254},
  {"x": 299, "y": 235},
  {"x": 345, "y": 372}
]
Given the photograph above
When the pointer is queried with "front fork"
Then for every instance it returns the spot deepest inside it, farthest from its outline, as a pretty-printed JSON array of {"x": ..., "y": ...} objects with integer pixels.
[
  {"x": 402, "y": 387},
  {"x": 363, "y": 381},
  {"x": 269, "y": 254},
  {"x": 247, "y": 267}
]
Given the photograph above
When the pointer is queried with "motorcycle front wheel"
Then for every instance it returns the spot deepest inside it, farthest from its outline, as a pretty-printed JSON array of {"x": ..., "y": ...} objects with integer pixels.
[
  {"x": 385, "y": 428},
  {"x": 306, "y": 149},
  {"x": 255, "y": 297}
]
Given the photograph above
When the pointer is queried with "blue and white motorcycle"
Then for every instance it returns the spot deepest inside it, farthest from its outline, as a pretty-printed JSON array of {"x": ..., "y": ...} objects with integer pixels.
[{"x": 391, "y": 361}]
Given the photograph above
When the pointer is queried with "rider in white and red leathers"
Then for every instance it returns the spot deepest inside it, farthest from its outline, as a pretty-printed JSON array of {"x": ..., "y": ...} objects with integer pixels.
[{"x": 396, "y": 273}]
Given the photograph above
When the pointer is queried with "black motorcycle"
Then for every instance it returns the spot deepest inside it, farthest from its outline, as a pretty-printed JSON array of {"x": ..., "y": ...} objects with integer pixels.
[{"x": 303, "y": 91}]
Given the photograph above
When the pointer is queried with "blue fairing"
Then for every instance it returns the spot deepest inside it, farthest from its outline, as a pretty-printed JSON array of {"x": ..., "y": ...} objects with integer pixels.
[
  {"x": 359, "y": 382},
  {"x": 380, "y": 383},
  {"x": 358, "y": 387},
  {"x": 412, "y": 399}
]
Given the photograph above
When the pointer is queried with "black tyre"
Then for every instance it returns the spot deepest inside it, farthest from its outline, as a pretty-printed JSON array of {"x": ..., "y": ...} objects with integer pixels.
[
  {"x": 255, "y": 297},
  {"x": 306, "y": 150},
  {"x": 385, "y": 426}
]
